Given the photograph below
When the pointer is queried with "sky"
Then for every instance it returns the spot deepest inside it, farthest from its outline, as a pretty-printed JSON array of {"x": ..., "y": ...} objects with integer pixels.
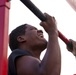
[{"x": 66, "y": 21}]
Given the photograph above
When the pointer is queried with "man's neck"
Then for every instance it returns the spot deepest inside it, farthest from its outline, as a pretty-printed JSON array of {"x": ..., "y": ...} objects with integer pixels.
[{"x": 35, "y": 52}]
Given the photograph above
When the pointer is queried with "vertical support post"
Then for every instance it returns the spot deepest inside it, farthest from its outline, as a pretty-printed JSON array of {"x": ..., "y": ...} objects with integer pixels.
[{"x": 4, "y": 17}]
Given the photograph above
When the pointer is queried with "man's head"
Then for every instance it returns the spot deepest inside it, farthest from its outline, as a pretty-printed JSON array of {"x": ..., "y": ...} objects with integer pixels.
[{"x": 28, "y": 37}]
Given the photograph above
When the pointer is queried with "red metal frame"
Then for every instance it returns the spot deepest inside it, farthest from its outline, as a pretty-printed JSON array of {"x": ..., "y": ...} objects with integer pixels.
[{"x": 4, "y": 17}]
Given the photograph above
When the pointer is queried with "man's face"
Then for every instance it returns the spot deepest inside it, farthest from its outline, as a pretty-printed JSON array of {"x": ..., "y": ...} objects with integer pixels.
[{"x": 35, "y": 37}]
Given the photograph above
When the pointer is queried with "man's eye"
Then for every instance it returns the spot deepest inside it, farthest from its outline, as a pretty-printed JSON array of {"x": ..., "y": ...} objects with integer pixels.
[
  {"x": 33, "y": 28},
  {"x": 30, "y": 28}
]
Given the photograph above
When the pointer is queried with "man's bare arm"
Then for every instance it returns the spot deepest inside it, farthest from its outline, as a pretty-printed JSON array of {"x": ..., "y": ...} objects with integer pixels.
[{"x": 52, "y": 59}]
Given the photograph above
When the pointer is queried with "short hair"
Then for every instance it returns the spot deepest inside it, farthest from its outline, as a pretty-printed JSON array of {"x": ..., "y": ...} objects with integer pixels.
[{"x": 13, "y": 42}]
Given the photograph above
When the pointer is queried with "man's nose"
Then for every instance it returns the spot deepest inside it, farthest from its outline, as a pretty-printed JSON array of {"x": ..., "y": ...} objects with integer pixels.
[{"x": 40, "y": 31}]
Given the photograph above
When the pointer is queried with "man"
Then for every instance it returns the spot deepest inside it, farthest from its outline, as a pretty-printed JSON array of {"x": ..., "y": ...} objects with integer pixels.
[{"x": 27, "y": 43}]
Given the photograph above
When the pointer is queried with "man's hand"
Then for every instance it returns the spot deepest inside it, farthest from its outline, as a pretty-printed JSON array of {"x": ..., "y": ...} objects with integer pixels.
[
  {"x": 74, "y": 47},
  {"x": 50, "y": 25}
]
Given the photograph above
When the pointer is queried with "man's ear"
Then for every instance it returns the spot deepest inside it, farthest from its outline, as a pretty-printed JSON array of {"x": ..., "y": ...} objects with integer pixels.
[{"x": 21, "y": 38}]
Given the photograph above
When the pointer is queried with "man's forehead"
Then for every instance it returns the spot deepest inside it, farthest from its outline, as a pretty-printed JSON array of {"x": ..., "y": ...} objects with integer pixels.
[{"x": 29, "y": 26}]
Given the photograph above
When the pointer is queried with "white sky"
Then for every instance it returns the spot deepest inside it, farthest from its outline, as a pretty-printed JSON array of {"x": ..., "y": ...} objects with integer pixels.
[{"x": 66, "y": 19}]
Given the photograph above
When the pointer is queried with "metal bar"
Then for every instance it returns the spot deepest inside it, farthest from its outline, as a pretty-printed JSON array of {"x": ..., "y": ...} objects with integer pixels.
[{"x": 4, "y": 17}]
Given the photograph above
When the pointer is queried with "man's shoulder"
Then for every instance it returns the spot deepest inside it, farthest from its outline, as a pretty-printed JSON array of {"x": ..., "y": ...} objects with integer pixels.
[
  {"x": 27, "y": 65},
  {"x": 19, "y": 52},
  {"x": 16, "y": 54}
]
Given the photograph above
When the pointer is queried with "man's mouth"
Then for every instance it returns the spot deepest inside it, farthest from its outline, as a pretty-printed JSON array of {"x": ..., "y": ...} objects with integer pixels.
[{"x": 40, "y": 35}]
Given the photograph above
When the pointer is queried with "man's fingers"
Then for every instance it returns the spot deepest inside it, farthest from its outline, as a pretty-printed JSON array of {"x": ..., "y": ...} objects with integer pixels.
[
  {"x": 43, "y": 24},
  {"x": 47, "y": 15}
]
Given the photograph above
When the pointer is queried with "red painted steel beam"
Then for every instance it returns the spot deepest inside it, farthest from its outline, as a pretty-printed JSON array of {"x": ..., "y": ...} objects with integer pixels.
[{"x": 4, "y": 21}]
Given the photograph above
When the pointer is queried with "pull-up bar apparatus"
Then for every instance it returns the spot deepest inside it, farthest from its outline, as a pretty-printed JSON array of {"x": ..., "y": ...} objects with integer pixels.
[{"x": 4, "y": 21}]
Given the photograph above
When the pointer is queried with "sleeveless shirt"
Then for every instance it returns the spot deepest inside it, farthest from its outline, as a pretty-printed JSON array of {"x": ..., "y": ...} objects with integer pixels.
[{"x": 12, "y": 59}]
